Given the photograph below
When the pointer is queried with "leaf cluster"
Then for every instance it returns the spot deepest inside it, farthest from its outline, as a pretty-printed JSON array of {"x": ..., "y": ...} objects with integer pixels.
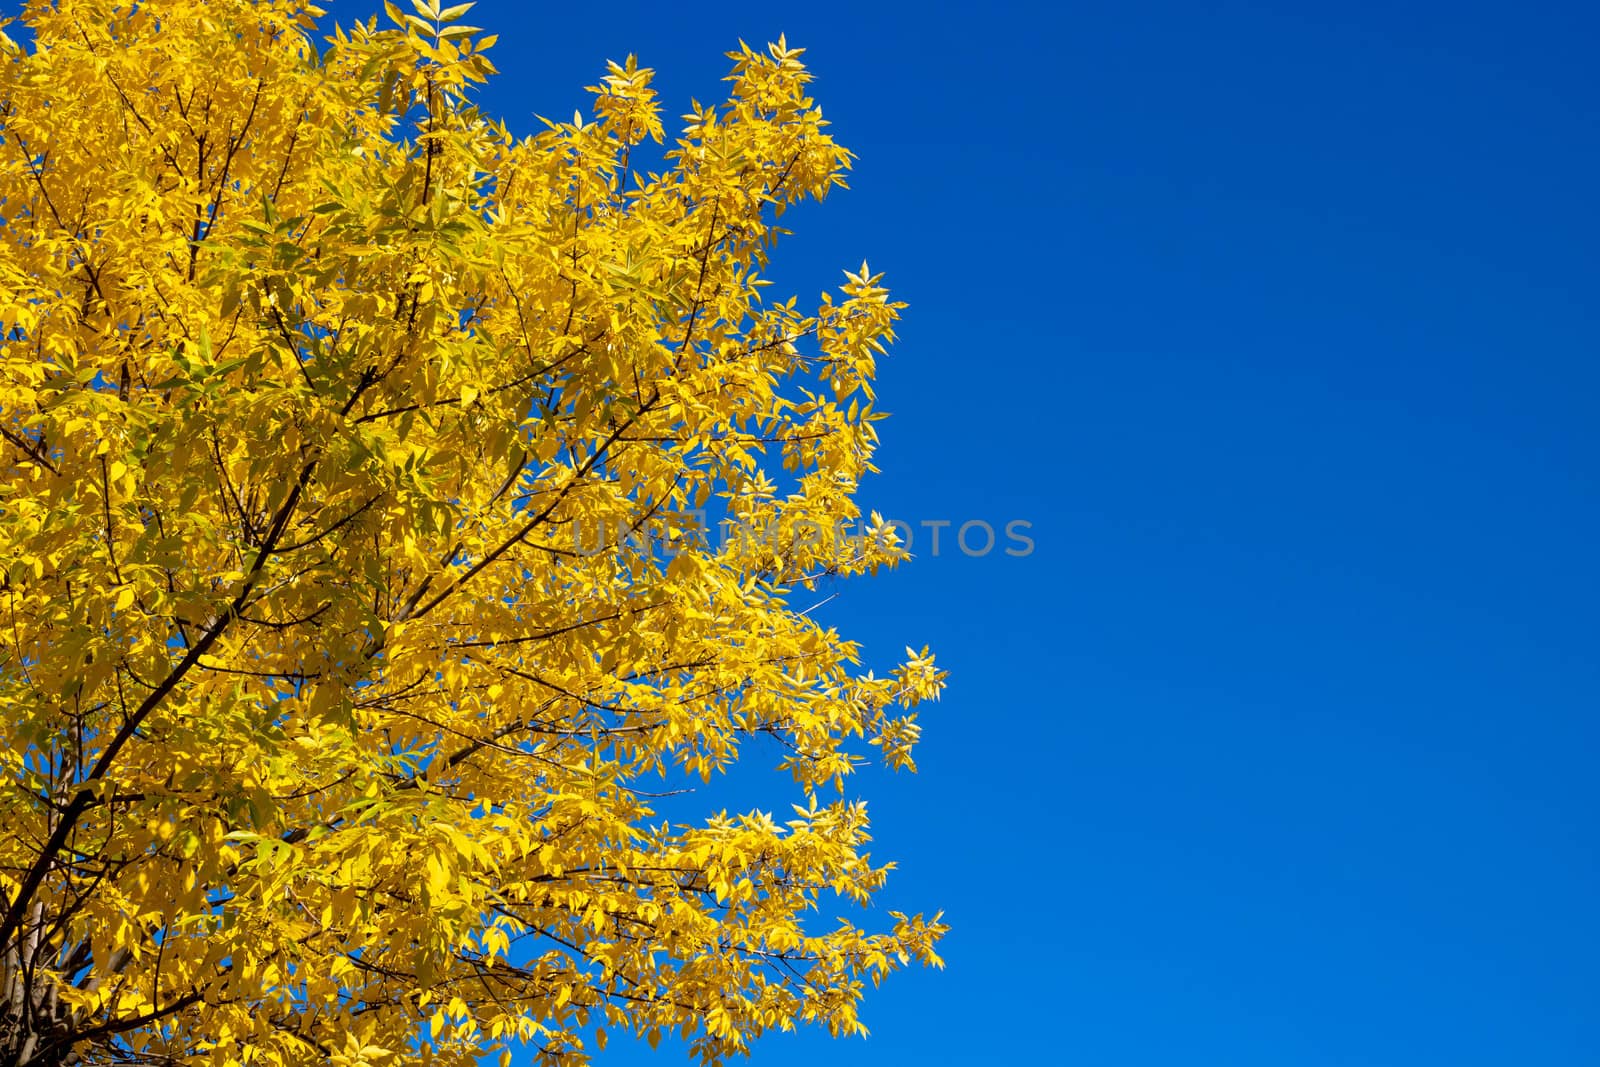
[{"x": 324, "y": 738}]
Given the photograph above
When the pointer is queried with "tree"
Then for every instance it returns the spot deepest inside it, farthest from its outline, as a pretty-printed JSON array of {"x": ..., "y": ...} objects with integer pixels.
[{"x": 335, "y": 722}]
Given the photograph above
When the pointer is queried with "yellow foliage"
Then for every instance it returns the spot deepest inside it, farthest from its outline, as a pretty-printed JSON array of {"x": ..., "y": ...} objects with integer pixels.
[{"x": 330, "y": 724}]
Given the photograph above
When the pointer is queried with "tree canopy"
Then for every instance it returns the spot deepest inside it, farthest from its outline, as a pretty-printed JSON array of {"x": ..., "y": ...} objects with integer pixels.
[{"x": 350, "y": 625}]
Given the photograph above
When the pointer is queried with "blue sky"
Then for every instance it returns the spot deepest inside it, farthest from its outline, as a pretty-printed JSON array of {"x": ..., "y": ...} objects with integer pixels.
[{"x": 1278, "y": 323}]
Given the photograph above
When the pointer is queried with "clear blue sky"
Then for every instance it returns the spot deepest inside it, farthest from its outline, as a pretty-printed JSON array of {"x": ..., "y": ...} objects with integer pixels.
[{"x": 1279, "y": 323}]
